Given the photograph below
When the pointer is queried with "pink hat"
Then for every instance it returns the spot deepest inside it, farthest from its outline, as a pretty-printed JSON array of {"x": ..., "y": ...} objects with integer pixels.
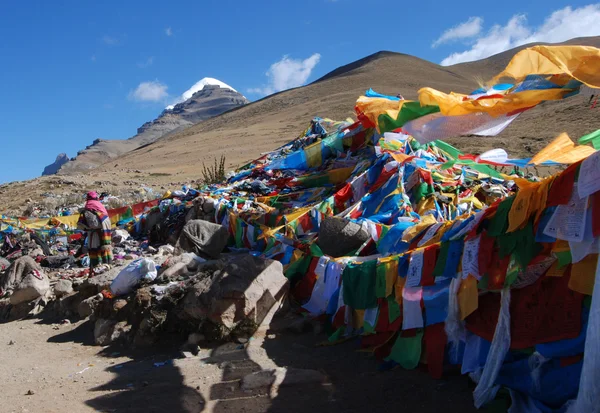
[{"x": 92, "y": 195}]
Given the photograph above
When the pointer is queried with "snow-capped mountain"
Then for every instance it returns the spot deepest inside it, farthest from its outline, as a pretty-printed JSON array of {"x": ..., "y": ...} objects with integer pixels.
[
  {"x": 207, "y": 98},
  {"x": 198, "y": 86}
]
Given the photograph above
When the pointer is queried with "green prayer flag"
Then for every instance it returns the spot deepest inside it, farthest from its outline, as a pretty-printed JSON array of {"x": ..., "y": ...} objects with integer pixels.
[
  {"x": 380, "y": 281},
  {"x": 449, "y": 149},
  {"x": 499, "y": 222},
  {"x": 298, "y": 268},
  {"x": 337, "y": 335},
  {"x": 407, "y": 350},
  {"x": 512, "y": 272},
  {"x": 409, "y": 111},
  {"x": 440, "y": 264},
  {"x": 394, "y": 310},
  {"x": 359, "y": 285},
  {"x": 593, "y": 138},
  {"x": 422, "y": 190},
  {"x": 315, "y": 250},
  {"x": 564, "y": 258}
]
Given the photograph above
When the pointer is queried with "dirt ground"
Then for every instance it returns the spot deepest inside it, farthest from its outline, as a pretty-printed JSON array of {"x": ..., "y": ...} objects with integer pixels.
[{"x": 65, "y": 373}]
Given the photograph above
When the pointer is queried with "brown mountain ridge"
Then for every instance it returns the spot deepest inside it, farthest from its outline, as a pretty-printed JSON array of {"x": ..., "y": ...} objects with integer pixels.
[{"x": 245, "y": 132}]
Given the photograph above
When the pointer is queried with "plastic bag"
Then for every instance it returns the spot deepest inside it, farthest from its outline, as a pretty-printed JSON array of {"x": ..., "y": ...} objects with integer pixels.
[{"x": 130, "y": 276}]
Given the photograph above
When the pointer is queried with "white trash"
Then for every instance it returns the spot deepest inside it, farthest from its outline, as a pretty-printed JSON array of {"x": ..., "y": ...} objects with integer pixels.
[{"x": 130, "y": 276}]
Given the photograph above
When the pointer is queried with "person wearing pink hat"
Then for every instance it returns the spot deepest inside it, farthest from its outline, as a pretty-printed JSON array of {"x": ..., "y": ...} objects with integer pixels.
[{"x": 95, "y": 221}]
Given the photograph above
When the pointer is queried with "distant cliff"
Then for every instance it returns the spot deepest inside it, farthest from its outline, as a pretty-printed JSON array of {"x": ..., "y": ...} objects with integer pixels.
[
  {"x": 207, "y": 98},
  {"x": 53, "y": 168}
]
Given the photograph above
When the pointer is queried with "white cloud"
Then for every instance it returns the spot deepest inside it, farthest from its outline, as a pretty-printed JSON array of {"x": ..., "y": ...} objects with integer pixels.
[
  {"x": 152, "y": 91},
  {"x": 147, "y": 63},
  {"x": 465, "y": 30},
  {"x": 287, "y": 73},
  {"x": 561, "y": 25},
  {"x": 169, "y": 31},
  {"x": 109, "y": 40}
]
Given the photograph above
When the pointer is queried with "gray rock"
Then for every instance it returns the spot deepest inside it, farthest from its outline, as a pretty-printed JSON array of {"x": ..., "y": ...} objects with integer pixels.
[
  {"x": 203, "y": 238},
  {"x": 120, "y": 331},
  {"x": 103, "y": 330},
  {"x": 63, "y": 287},
  {"x": 247, "y": 290},
  {"x": 87, "y": 307},
  {"x": 339, "y": 237},
  {"x": 100, "y": 282},
  {"x": 30, "y": 288},
  {"x": 208, "y": 206}
]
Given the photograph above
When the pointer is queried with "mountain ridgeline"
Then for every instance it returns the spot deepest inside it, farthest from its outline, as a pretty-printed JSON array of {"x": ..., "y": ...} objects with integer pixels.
[{"x": 209, "y": 101}]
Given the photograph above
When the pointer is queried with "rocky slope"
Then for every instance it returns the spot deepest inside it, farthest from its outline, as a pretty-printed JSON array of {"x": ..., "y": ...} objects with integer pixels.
[{"x": 211, "y": 99}]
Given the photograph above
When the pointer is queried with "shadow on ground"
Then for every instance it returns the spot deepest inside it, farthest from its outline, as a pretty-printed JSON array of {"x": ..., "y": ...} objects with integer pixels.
[
  {"x": 356, "y": 385},
  {"x": 150, "y": 382}
]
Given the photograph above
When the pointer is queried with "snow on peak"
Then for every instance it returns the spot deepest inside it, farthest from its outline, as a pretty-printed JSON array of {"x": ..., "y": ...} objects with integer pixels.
[{"x": 198, "y": 86}]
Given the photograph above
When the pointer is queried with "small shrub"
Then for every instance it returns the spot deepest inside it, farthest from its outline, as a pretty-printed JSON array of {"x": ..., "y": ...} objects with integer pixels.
[{"x": 214, "y": 174}]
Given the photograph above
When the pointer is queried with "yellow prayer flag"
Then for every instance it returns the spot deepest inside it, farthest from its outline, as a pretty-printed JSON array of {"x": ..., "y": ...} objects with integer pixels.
[
  {"x": 562, "y": 150},
  {"x": 313, "y": 155},
  {"x": 399, "y": 286},
  {"x": 583, "y": 275},
  {"x": 426, "y": 222},
  {"x": 579, "y": 62},
  {"x": 468, "y": 296}
]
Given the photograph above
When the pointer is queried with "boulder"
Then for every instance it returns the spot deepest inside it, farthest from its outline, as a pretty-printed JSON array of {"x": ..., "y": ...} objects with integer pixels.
[
  {"x": 98, "y": 283},
  {"x": 203, "y": 238},
  {"x": 208, "y": 206},
  {"x": 338, "y": 237},
  {"x": 247, "y": 291},
  {"x": 103, "y": 330},
  {"x": 30, "y": 288},
  {"x": 87, "y": 307},
  {"x": 63, "y": 287}
]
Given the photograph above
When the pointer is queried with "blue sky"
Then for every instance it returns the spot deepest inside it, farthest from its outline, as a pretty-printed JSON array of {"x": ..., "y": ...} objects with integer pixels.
[{"x": 74, "y": 71}]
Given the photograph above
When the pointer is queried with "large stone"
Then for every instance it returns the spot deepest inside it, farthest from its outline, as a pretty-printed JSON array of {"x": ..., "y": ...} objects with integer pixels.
[
  {"x": 208, "y": 206},
  {"x": 30, "y": 288},
  {"x": 87, "y": 307},
  {"x": 338, "y": 237},
  {"x": 63, "y": 287},
  {"x": 120, "y": 332},
  {"x": 103, "y": 330},
  {"x": 98, "y": 283},
  {"x": 247, "y": 290},
  {"x": 203, "y": 238}
]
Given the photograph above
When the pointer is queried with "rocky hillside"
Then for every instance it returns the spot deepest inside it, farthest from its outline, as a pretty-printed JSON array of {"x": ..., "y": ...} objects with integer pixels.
[{"x": 212, "y": 99}]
